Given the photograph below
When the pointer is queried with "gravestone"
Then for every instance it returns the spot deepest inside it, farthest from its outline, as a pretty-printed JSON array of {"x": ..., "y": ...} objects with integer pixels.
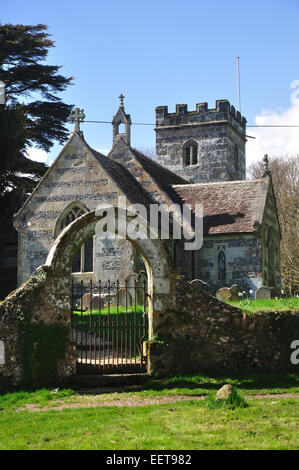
[
  {"x": 200, "y": 283},
  {"x": 228, "y": 293},
  {"x": 263, "y": 293},
  {"x": 234, "y": 293},
  {"x": 2, "y": 353},
  {"x": 102, "y": 301},
  {"x": 95, "y": 301},
  {"x": 223, "y": 294},
  {"x": 122, "y": 295}
]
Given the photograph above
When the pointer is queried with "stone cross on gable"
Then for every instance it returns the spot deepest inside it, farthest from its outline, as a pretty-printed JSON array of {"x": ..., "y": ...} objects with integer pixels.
[
  {"x": 76, "y": 116},
  {"x": 267, "y": 171}
]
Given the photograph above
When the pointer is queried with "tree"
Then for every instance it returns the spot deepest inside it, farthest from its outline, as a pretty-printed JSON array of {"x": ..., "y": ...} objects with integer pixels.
[
  {"x": 285, "y": 176},
  {"x": 148, "y": 152},
  {"x": 17, "y": 171},
  {"x": 22, "y": 51},
  {"x": 34, "y": 115}
]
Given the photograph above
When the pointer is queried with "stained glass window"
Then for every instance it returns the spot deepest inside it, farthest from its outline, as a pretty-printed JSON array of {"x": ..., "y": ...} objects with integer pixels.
[
  {"x": 221, "y": 264},
  {"x": 187, "y": 156},
  {"x": 76, "y": 267},
  {"x": 88, "y": 256}
]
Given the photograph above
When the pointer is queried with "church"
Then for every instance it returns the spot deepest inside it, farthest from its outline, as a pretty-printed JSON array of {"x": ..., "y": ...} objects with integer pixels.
[{"x": 200, "y": 159}]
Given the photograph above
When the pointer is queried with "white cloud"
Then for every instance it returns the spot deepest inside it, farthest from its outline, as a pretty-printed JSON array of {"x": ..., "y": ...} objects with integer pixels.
[
  {"x": 275, "y": 140},
  {"x": 38, "y": 155}
]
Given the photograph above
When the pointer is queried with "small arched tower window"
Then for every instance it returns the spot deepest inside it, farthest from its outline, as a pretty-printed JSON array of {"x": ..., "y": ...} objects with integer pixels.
[
  {"x": 221, "y": 262},
  {"x": 190, "y": 153},
  {"x": 236, "y": 157}
]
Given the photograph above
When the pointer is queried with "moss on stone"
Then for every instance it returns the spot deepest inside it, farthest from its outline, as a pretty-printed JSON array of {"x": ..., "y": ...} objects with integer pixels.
[
  {"x": 41, "y": 347},
  {"x": 19, "y": 302}
]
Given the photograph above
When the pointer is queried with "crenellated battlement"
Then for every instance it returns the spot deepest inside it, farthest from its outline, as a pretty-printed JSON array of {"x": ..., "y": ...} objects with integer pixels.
[
  {"x": 223, "y": 111},
  {"x": 202, "y": 145}
]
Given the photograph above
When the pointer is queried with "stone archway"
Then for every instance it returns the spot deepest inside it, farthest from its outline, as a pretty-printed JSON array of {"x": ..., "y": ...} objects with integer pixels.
[{"x": 158, "y": 263}]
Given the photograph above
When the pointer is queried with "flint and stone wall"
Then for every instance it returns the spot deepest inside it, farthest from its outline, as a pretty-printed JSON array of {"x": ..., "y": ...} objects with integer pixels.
[
  {"x": 198, "y": 333},
  {"x": 216, "y": 131},
  {"x": 37, "y": 302},
  {"x": 205, "y": 334}
]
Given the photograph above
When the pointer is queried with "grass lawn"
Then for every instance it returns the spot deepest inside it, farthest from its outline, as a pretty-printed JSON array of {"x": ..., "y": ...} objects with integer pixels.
[
  {"x": 265, "y": 424},
  {"x": 66, "y": 419},
  {"x": 268, "y": 305},
  {"x": 252, "y": 384},
  {"x": 113, "y": 310}
]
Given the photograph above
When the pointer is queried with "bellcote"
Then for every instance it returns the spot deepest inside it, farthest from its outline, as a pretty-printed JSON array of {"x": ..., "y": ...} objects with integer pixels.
[{"x": 121, "y": 123}]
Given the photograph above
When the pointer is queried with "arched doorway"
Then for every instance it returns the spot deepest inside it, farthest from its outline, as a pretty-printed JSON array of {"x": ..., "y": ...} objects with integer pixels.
[{"x": 112, "y": 340}]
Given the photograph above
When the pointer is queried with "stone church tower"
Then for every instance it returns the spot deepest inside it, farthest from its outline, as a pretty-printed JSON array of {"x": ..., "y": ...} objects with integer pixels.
[{"x": 204, "y": 145}]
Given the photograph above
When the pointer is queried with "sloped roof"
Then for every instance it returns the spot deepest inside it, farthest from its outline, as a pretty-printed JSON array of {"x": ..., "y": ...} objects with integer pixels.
[
  {"x": 124, "y": 179},
  {"x": 162, "y": 176},
  {"x": 228, "y": 207},
  {"x": 152, "y": 172}
]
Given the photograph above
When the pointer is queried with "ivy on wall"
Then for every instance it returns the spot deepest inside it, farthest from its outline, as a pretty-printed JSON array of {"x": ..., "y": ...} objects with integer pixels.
[{"x": 41, "y": 347}]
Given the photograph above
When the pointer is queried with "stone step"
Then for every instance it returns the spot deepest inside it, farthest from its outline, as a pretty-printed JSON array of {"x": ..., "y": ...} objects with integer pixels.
[{"x": 111, "y": 380}]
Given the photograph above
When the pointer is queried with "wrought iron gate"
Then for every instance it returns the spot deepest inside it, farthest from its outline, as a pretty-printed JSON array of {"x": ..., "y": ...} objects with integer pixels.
[{"x": 109, "y": 326}]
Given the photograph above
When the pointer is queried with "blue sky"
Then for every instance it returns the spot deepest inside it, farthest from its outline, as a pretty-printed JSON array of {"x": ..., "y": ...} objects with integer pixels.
[{"x": 169, "y": 51}]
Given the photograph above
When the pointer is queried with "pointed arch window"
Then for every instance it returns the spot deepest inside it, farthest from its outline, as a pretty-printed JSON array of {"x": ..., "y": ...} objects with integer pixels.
[
  {"x": 83, "y": 261},
  {"x": 73, "y": 214},
  {"x": 221, "y": 263},
  {"x": 190, "y": 153}
]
